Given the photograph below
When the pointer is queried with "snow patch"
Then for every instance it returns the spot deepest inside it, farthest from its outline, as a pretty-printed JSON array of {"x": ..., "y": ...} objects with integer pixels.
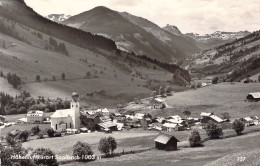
[
  {"x": 104, "y": 35},
  {"x": 76, "y": 25}
]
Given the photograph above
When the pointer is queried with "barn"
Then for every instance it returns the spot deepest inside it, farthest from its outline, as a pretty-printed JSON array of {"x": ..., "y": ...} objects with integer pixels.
[
  {"x": 166, "y": 141},
  {"x": 253, "y": 96}
]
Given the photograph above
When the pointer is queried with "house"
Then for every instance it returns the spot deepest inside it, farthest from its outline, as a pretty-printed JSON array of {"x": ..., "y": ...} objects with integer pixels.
[
  {"x": 139, "y": 116},
  {"x": 253, "y": 96},
  {"x": 21, "y": 121},
  {"x": 248, "y": 121},
  {"x": 108, "y": 126},
  {"x": 206, "y": 117},
  {"x": 104, "y": 111},
  {"x": 35, "y": 116},
  {"x": 133, "y": 123},
  {"x": 166, "y": 142},
  {"x": 170, "y": 127},
  {"x": 67, "y": 118},
  {"x": 91, "y": 121}
]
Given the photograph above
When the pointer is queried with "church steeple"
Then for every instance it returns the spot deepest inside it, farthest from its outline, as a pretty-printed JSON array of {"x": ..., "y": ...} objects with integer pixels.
[{"x": 75, "y": 106}]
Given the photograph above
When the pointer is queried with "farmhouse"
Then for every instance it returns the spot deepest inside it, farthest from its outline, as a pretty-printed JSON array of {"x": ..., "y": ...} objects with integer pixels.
[
  {"x": 67, "y": 118},
  {"x": 248, "y": 121},
  {"x": 166, "y": 142},
  {"x": 253, "y": 96},
  {"x": 35, "y": 116},
  {"x": 206, "y": 117}
]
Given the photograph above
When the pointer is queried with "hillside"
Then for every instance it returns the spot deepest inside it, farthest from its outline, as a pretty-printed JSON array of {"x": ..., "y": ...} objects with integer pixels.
[
  {"x": 215, "y": 39},
  {"x": 233, "y": 61},
  {"x": 132, "y": 34},
  {"x": 28, "y": 49}
]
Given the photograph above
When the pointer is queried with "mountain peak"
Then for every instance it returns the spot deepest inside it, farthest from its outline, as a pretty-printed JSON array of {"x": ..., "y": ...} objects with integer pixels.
[{"x": 172, "y": 29}]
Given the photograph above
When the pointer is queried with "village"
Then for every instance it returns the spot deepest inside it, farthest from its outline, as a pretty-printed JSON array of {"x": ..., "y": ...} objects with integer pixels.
[{"x": 132, "y": 118}]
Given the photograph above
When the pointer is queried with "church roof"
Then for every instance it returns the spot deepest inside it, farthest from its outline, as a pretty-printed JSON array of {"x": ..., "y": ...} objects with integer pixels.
[{"x": 63, "y": 113}]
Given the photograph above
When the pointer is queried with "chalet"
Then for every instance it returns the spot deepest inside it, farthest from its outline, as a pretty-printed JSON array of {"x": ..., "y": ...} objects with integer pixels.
[
  {"x": 67, "y": 118},
  {"x": 248, "y": 121},
  {"x": 206, "y": 117},
  {"x": 35, "y": 116},
  {"x": 166, "y": 142},
  {"x": 253, "y": 96},
  {"x": 170, "y": 127},
  {"x": 133, "y": 123},
  {"x": 108, "y": 126},
  {"x": 92, "y": 121}
]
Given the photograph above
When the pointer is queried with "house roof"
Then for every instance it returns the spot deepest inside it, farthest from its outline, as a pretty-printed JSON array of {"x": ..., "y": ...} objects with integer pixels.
[
  {"x": 35, "y": 113},
  {"x": 255, "y": 95},
  {"x": 164, "y": 138},
  {"x": 159, "y": 100},
  {"x": 248, "y": 119},
  {"x": 107, "y": 125},
  {"x": 216, "y": 118},
  {"x": 62, "y": 113},
  {"x": 205, "y": 114},
  {"x": 175, "y": 121},
  {"x": 170, "y": 125}
]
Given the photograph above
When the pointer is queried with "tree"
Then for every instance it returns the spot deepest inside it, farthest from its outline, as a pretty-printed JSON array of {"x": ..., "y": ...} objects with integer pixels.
[
  {"x": 215, "y": 80},
  {"x": 259, "y": 78},
  {"x": 88, "y": 74},
  {"x": 35, "y": 130},
  {"x": 104, "y": 146},
  {"x": 16, "y": 149},
  {"x": 168, "y": 89},
  {"x": 63, "y": 76},
  {"x": 187, "y": 113},
  {"x": 1, "y": 74},
  {"x": 4, "y": 46},
  {"x": 50, "y": 132},
  {"x": 195, "y": 139},
  {"x": 161, "y": 90},
  {"x": 238, "y": 126},
  {"x": 113, "y": 144},
  {"x": 38, "y": 78},
  {"x": 81, "y": 150},
  {"x": 225, "y": 115},
  {"x": 23, "y": 136},
  {"x": 213, "y": 130},
  {"x": 45, "y": 157}
]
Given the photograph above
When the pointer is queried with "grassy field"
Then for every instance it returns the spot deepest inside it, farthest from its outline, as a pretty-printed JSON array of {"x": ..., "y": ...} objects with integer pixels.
[
  {"x": 218, "y": 98},
  {"x": 127, "y": 141},
  {"x": 212, "y": 150}
]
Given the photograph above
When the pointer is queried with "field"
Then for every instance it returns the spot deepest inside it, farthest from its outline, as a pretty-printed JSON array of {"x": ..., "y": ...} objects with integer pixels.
[
  {"x": 218, "y": 98},
  {"x": 212, "y": 150},
  {"x": 127, "y": 141}
]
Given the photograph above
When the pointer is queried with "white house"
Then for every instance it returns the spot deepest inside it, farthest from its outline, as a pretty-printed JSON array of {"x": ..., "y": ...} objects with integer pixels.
[
  {"x": 35, "y": 116},
  {"x": 67, "y": 118}
]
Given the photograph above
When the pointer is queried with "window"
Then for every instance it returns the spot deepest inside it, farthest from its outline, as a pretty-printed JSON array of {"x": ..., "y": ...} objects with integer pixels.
[
  {"x": 66, "y": 125},
  {"x": 56, "y": 126},
  {"x": 70, "y": 125}
]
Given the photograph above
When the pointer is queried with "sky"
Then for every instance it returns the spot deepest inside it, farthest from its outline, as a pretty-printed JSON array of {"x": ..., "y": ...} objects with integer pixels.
[{"x": 197, "y": 16}]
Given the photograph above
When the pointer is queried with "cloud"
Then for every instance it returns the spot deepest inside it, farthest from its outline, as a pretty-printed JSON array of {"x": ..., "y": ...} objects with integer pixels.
[{"x": 200, "y": 16}]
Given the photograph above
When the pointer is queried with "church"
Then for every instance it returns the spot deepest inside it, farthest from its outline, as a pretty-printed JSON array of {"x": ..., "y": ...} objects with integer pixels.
[{"x": 67, "y": 118}]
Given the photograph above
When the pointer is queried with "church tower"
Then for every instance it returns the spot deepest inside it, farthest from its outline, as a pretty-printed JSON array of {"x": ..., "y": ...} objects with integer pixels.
[{"x": 75, "y": 106}]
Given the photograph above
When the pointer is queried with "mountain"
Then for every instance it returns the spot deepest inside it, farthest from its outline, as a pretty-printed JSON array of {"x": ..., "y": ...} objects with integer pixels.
[
  {"x": 217, "y": 38},
  {"x": 232, "y": 61},
  {"x": 58, "y": 17},
  {"x": 133, "y": 34},
  {"x": 173, "y": 30},
  {"x": 39, "y": 51}
]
